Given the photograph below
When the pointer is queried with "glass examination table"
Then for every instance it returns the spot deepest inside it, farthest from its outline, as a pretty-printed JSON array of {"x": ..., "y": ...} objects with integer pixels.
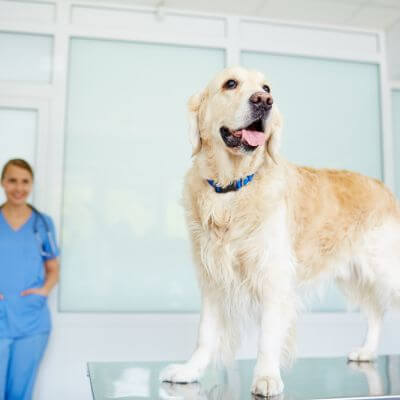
[{"x": 312, "y": 378}]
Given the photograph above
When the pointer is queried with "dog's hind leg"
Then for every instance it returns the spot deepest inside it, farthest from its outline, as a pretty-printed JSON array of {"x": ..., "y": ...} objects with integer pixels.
[
  {"x": 365, "y": 296},
  {"x": 368, "y": 350}
]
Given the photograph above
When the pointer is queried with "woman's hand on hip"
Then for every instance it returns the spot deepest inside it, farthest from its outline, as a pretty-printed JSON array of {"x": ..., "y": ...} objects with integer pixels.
[
  {"x": 41, "y": 291},
  {"x": 1, "y": 297}
]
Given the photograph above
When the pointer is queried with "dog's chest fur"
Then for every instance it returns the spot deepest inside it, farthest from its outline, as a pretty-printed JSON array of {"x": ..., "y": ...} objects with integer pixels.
[
  {"x": 229, "y": 238},
  {"x": 225, "y": 218},
  {"x": 218, "y": 216}
]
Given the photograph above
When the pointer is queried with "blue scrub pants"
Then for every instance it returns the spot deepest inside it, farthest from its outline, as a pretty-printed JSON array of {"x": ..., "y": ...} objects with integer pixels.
[{"x": 19, "y": 362}]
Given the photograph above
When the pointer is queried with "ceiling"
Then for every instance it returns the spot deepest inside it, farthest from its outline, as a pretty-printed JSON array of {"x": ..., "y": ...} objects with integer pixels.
[{"x": 371, "y": 14}]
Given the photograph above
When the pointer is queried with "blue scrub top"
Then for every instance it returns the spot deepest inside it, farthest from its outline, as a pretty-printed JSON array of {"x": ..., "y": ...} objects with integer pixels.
[{"x": 22, "y": 256}]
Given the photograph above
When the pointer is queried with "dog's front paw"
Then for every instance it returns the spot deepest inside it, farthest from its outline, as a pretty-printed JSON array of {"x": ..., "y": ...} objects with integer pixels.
[
  {"x": 267, "y": 386},
  {"x": 361, "y": 354},
  {"x": 179, "y": 373}
]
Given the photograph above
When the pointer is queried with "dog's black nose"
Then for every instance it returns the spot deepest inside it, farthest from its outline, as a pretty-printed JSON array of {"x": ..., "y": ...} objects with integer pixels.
[{"x": 261, "y": 100}]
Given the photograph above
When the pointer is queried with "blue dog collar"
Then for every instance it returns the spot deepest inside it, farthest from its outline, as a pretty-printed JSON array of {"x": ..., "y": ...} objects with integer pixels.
[{"x": 232, "y": 187}]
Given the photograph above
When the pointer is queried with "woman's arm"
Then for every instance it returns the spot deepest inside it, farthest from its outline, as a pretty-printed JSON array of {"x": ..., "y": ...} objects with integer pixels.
[{"x": 52, "y": 268}]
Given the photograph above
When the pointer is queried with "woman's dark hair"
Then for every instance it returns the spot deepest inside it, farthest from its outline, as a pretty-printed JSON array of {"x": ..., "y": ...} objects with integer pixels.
[{"x": 17, "y": 162}]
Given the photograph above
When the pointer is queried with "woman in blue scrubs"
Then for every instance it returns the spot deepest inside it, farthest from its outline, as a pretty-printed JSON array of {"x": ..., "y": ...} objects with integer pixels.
[{"x": 29, "y": 269}]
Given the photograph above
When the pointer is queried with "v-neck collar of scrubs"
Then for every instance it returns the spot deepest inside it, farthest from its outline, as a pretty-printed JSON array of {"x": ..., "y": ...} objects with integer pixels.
[{"x": 21, "y": 227}]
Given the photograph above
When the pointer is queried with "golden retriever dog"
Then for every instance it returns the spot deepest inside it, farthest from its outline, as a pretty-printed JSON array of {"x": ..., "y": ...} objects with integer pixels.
[{"x": 262, "y": 227}]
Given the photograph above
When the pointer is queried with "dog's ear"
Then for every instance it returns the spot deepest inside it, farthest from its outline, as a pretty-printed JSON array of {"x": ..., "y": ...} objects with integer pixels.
[
  {"x": 194, "y": 104},
  {"x": 274, "y": 134}
]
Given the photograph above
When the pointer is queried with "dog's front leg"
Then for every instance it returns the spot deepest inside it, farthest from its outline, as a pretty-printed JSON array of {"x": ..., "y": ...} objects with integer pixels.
[
  {"x": 274, "y": 324},
  {"x": 207, "y": 343}
]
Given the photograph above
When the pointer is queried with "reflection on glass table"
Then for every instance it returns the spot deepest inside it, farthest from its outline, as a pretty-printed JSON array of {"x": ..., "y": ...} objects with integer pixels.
[{"x": 313, "y": 378}]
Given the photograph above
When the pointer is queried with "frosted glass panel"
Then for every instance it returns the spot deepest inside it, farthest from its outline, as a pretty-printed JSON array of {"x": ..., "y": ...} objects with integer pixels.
[
  {"x": 396, "y": 131},
  {"x": 25, "y": 57},
  {"x": 18, "y": 132},
  {"x": 124, "y": 238},
  {"x": 331, "y": 113}
]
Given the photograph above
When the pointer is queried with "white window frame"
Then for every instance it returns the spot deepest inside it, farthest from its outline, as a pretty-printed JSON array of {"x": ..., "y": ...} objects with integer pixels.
[{"x": 42, "y": 140}]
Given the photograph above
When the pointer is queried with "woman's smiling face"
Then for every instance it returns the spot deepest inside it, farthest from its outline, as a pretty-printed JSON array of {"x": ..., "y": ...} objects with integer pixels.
[{"x": 17, "y": 184}]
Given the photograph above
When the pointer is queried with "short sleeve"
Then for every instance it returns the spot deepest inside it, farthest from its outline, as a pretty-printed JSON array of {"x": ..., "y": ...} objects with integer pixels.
[{"x": 50, "y": 246}]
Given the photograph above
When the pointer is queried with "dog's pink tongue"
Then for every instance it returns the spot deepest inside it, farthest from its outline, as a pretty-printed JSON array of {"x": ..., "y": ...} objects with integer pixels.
[{"x": 253, "y": 138}]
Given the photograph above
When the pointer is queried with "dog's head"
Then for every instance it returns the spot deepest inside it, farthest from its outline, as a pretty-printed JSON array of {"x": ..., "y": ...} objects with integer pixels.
[{"x": 235, "y": 111}]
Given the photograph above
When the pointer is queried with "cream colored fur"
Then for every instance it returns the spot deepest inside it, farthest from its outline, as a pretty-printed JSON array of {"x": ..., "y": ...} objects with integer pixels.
[{"x": 289, "y": 227}]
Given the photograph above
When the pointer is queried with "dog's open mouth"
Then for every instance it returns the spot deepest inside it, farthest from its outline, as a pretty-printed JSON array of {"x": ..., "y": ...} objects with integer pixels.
[{"x": 248, "y": 138}]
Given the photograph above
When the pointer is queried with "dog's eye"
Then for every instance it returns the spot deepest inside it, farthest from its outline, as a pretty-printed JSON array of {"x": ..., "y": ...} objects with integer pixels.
[
  {"x": 230, "y": 84},
  {"x": 267, "y": 88}
]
